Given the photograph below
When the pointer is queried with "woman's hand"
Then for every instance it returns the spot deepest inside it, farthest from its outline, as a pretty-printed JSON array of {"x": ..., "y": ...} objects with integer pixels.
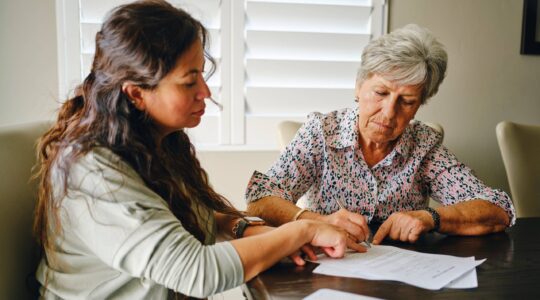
[
  {"x": 406, "y": 226},
  {"x": 298, "y": 257},
  {"x": 259, "y": 251},
  {"x": 355, "y": 224},
  {"x": 333, "y": 240}
]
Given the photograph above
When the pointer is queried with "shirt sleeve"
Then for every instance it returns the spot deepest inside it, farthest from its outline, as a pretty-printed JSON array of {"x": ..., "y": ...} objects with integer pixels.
[
  {"x": 131, "y": 229},
  {"x": 296, "y": 169},
  {"x": 450, "y": 181}
]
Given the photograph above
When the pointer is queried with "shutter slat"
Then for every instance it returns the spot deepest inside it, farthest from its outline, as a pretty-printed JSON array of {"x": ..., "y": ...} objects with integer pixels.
[
  {"x": 282, "y": 73},
  {"x": 308, "y": 18},
  {"x": 305, "y": 45},
  {"x": 296, "y": 101},
  {"x": 321, "y": 2},
  {"x": 93, "y": 11},
  {"x": 206, "y": 11}
]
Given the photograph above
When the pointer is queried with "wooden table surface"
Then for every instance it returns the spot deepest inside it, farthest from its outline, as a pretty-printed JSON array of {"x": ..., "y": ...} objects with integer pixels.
[{"x": 512, "y": 270}]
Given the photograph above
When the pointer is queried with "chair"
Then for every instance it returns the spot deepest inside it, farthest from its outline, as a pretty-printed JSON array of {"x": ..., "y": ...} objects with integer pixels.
[
  {"x": 287, "y": 130},
  {"x": 520, "y": 149},
  {"x": 19, "y": 253}
]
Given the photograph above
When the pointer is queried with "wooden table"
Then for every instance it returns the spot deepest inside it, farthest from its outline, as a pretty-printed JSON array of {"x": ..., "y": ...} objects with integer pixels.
[{"x": 512, "y": 270}]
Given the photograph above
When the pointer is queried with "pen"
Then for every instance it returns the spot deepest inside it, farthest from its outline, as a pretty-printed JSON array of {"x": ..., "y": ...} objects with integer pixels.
[{"x": 342, "y": 206}]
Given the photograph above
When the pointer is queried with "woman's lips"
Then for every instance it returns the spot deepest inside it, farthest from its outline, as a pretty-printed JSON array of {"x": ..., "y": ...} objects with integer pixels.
[
  {"x": 386, "y": 126},
  {"x": 199, "y": 113}
]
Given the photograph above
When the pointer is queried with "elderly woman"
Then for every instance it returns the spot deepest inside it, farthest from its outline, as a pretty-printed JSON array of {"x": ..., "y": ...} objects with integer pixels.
[{"x": 378, "y": 163}]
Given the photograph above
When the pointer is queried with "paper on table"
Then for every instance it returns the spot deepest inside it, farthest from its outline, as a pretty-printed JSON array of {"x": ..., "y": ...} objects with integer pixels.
[
  {"x": 324, "y": 294},
  {"x": 429, "y": 271},
  {"x": 466, "y": 281}
]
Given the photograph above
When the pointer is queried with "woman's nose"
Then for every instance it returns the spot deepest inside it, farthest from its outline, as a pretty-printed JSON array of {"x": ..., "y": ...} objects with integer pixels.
[
  {"x": 390, "y": 107},
  {"x": 204, "y": 91}
]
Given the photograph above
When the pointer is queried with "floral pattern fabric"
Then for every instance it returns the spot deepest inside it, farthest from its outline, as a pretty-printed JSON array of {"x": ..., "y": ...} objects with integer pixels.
[{"x": 324, "y": 162}]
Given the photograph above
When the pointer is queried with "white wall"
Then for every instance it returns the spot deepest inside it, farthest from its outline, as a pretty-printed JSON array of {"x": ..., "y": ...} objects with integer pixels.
[
  {"x": 230, "y": 171},
  {"x": 28, "y": 62},
  {"x": 488, "y": 80}
]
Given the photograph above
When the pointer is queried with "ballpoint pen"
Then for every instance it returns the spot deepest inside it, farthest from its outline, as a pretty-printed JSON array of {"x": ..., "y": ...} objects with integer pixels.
[{"x": 342, "y": 206}]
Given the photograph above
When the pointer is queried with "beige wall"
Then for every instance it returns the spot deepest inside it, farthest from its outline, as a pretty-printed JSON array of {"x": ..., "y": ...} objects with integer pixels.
[
  {"x": 488, "y": 80},
  {"x": 230, "y": 171},
  {"x": 28, "y": 63}
]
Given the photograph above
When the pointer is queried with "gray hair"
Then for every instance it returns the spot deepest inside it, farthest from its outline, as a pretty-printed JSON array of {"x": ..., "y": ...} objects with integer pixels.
[{"x": 407, "y": 56}]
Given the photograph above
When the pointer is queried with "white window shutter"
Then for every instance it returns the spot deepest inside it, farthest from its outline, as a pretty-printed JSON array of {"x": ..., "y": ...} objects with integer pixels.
[
  {"x": 302, "y": 56},
  {"x": 276, "y": 59}
]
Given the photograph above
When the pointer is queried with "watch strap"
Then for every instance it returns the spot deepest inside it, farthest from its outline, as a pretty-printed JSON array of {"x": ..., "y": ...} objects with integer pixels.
[
  {"x": 239, "y": 228},
  {"x": 436, "y": 217}
]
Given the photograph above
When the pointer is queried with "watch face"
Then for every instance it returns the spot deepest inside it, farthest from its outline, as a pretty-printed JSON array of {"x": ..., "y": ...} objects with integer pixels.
[{"x": 254, "y": 220}]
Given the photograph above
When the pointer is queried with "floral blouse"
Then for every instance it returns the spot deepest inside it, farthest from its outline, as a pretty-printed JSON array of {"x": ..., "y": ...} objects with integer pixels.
[{"x": 324, "y": 161}]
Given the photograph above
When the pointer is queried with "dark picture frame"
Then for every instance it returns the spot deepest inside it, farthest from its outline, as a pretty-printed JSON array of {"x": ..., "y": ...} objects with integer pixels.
[{"x": 530, "y": 31}]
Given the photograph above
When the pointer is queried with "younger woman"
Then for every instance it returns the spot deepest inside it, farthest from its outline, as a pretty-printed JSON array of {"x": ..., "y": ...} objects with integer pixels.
[{"x": 125, "y": 209}]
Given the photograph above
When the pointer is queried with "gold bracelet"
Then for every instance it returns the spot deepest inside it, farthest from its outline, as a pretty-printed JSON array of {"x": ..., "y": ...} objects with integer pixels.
[{"x": 298, "y": 214}]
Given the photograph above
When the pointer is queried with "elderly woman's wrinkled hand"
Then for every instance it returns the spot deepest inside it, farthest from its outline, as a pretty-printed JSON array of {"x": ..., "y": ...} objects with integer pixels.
[
  {"x": 355, "y": 224},
  {"x": 406, "y": 226}
]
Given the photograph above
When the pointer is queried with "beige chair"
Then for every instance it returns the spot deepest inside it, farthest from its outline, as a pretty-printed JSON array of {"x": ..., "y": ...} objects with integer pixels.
[
  {"x": 520, "y": 149},
  {"x": 287, "y": 130},
  {"x": 19, "y": 253}
]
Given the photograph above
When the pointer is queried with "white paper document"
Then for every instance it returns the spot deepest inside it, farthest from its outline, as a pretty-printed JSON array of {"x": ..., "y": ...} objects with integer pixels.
[
  {"x": 429, "y": 271},
  {"x": 325, "y": 294},
  {"x": 467, "y": 280}
]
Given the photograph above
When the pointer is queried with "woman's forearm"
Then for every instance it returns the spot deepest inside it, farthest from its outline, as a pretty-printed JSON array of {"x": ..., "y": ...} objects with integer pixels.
[
  {"x": 277, "y": 211},
  {"x": 261, "y": 251},
  {"x": 474, "y": 217}
]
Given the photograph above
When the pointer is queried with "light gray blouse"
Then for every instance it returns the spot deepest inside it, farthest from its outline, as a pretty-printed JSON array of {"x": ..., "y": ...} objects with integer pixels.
[{"x": 120, "y": 240}]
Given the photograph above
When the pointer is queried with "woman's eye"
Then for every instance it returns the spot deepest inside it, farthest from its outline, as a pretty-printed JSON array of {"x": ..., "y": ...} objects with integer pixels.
[
  {"x": 380, "y": 93},
  {"x": 408, "y": 102},
  {"x": 191, "y": 84}
]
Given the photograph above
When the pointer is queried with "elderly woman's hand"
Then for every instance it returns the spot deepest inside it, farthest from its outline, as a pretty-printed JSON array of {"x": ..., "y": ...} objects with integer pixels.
[
  {"x": 406, "y": 226},
  {"x": 355, "y": 224}
]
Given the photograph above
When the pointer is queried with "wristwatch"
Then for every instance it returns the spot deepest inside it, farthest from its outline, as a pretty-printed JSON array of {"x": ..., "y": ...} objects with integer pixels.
[
  {"x": 436, "y": 218},
  {"x": 241, "y": 225}
]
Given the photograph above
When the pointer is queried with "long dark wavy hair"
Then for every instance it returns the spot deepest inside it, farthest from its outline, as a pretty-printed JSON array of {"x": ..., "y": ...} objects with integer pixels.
[{"x": 140, "y": 43}]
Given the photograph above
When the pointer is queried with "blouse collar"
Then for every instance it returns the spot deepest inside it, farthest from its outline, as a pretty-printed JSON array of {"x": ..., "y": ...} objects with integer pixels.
[{"x": 343, "y": 132}]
